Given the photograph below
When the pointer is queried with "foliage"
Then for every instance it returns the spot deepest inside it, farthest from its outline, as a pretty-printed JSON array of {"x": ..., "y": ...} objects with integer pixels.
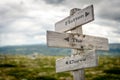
[
  {"x": 108, "y": 69},
  {"x": 21, "y": 67}
]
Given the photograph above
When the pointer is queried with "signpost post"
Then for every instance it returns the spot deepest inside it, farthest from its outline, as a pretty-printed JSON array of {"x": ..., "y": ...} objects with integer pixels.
[
  {"x": 79, "y": 73},
  {"x": 84, "y": 46}
]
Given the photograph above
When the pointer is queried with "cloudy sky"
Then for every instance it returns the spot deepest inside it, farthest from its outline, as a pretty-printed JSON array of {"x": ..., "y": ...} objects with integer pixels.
[{"x": 26, "y": 21}]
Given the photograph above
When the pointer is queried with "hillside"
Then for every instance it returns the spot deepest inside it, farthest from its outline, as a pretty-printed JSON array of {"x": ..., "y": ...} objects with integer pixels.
[
  {"x": 30, "y": 49},
  {"x": 22, "y": 67},
  {"x": 43, "y": 49}
]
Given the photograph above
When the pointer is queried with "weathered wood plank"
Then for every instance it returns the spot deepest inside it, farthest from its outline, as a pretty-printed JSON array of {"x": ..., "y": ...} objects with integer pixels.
[
  {"x": 77, "y": 74},
  {"x": 79, "y": 18},
  {"x": 86, "y": 60},
  {"x": 76, "y": 41}
]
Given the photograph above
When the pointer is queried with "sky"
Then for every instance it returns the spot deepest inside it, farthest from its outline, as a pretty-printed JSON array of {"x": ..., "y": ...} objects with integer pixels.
[{"x": 25, "y": 22}]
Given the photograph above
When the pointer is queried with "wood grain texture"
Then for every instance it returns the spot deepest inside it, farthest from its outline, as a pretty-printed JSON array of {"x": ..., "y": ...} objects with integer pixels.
[
  {"x": 79, "y": 18},
  {"x": 86, "y": 60},
  {"x": 76, "y": 41},
  {"x": 79, "y": 74}
]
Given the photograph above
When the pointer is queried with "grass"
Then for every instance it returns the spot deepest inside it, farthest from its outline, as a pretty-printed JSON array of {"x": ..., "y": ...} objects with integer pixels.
[
  {"x": 108, "y": 69},
  {"x": 21, "y": 67}
]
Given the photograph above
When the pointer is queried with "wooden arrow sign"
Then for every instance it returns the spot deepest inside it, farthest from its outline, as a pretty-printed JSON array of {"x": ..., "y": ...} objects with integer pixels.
[
  {"x": 76, "y": 41},
  {"x": 86, "y": 60},
  {"x": 79, "y": 18}
]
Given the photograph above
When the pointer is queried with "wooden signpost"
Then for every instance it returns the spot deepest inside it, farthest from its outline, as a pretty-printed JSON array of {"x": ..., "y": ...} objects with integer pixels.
[
  {"x": 84, "y": 46},
  {"x": 79, "y": 18},
  {"x": 89, "y": 59},
  {"x": 76, "y": 41}
]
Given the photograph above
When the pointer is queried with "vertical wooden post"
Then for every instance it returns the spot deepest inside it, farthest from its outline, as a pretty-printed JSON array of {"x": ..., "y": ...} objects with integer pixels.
[{"x": 77, "y": 74}]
